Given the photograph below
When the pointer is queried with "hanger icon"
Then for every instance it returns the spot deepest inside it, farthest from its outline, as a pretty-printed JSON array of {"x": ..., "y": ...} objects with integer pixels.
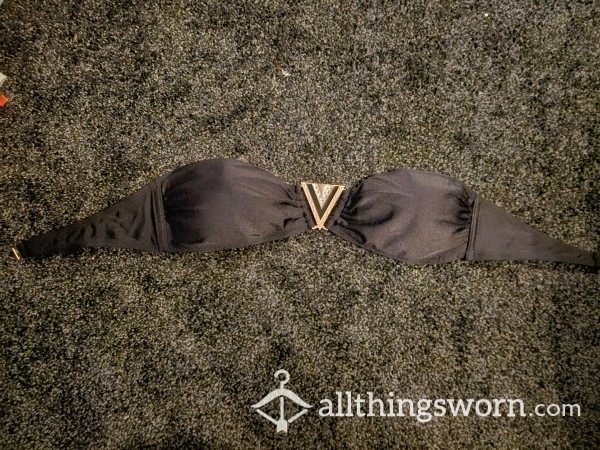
[{"x": 281, "y": 393}]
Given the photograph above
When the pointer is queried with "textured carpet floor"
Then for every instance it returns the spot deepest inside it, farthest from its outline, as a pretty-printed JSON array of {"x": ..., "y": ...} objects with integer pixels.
[{"x": 122, "y": 349}]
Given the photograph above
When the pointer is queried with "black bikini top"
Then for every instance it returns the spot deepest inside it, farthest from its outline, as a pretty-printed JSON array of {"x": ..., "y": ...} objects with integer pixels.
[{"x": 408, "y": 215}]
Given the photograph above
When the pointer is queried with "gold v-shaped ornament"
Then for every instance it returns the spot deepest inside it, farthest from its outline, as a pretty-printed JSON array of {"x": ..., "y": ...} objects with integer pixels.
[{"x": 322, "y": 199}]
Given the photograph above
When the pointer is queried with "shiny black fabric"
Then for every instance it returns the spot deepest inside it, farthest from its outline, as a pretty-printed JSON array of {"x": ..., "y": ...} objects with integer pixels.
[
  {"x": 408, "y": 215},
  {"x": 224, "y": 203}
]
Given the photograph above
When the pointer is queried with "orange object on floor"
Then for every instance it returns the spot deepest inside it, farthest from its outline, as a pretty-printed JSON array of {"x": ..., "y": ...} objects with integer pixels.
[{"x": 3, "y": 100}]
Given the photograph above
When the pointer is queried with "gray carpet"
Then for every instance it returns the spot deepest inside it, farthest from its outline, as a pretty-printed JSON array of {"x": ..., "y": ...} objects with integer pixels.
[{"x": 123, "y": 349}]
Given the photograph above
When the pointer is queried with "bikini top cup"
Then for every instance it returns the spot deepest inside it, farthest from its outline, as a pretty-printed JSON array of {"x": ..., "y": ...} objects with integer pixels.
[{"x": 412, "y": 216}]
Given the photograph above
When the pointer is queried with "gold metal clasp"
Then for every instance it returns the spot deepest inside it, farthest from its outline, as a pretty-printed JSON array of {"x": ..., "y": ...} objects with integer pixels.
[
  {"x": 322, "y": 199},
  {"x": 16, "y": 252}
]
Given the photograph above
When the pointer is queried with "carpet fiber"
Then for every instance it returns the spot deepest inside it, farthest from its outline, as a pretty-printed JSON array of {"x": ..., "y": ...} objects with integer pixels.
[{"x": 124, "y": 349}]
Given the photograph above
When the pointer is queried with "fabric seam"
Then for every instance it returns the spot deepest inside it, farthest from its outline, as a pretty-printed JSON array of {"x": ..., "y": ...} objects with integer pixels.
[
  {"x": 159, "y": 215},
  {"x": 470, "y": 253}
]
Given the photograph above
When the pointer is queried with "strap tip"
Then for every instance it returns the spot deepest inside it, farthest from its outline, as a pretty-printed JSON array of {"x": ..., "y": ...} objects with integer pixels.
[{"x": 16, "y": 253}]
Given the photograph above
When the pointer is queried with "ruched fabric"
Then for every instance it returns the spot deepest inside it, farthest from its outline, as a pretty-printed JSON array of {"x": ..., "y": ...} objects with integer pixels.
[
  {"x": 408, "y": 215},
  {"x": 412, "y": 216},
  {"x": 224, "y": 203}
]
